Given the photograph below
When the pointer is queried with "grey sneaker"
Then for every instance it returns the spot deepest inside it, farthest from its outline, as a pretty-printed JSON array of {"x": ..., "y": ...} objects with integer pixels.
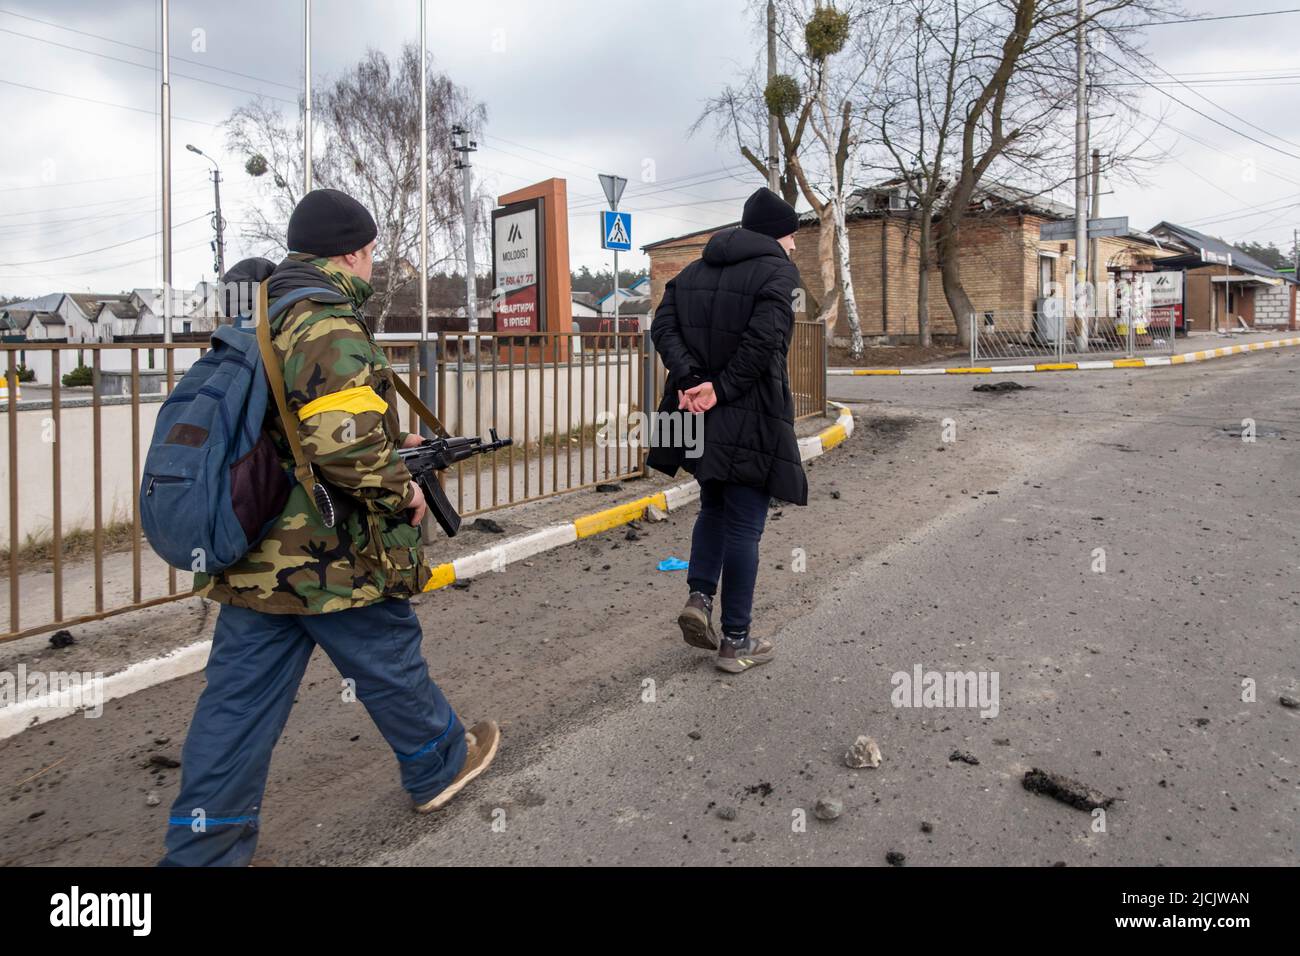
[
  {"x": 482, "y": 741},
  {"x": 696, "y": 622},
  {"x": 734, "y": 658}
]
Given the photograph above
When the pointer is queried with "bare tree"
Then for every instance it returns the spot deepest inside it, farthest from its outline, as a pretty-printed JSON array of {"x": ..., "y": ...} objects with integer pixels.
[
  {"x": 370, "y": 129},
  {"x": 983, "y": 93}
]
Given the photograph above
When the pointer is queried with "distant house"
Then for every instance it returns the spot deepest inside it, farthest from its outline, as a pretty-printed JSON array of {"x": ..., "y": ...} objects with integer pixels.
[
  {"x": 1225, "y": 287},
  {"x": 78, "y": 317}
]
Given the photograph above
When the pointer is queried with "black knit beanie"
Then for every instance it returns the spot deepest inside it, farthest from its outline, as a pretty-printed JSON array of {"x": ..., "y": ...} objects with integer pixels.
[
  {"x": 769, "y": 214},
  {"x": 327, "y": 222}
]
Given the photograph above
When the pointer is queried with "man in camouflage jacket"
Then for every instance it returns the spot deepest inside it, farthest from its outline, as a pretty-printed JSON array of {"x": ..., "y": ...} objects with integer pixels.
[
  {"x": 305, "y": 585},
  {"x": 339, "y": 385}
]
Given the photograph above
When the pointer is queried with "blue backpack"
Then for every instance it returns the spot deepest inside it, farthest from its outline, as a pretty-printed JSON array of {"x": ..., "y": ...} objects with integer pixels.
[{"x": 213, "y": 484}]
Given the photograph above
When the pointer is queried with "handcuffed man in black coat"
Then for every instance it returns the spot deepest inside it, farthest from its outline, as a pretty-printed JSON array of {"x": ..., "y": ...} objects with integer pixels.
[{"x": 723, "y": 330}]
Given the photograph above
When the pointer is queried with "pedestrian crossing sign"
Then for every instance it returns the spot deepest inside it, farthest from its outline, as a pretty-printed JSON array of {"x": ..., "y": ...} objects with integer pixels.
[{"x": 616, "y": 230}]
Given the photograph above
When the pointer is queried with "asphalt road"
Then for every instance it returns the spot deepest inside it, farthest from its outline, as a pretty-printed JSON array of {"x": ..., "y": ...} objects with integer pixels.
[{"x": 622, "y": 744}]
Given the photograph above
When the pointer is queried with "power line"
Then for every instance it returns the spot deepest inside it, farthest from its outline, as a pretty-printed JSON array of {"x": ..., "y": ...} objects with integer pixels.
[
  {"x": 1157, "y": 66},
  {"x": 120, "y": 106},
  {"x": 146, "y": 66},
  {"x": 1230, "y": 16},
  {"x": 1205, "y": 115},
  {"x": 91, "y": 252},
  {"x": 90, "y": 205},
  {"x": 78, "y": 182},
  {"x": 152, "y": 51}
]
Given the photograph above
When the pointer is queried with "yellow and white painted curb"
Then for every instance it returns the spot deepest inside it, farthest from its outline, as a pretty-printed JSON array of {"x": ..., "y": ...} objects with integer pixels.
[
  {"x": 1152, "y": 362},
  {"x": 668, "y": 500},
  {"x": 192, "y": 658}
]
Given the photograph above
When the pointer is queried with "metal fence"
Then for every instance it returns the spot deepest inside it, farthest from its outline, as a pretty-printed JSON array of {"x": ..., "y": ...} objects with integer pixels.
[
  {"x": 1044, "y": 334},
  {"x": 73, "y": 547}
]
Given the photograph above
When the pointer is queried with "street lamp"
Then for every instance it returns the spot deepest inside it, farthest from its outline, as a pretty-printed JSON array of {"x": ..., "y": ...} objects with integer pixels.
[{"x": 218, "y": 223}]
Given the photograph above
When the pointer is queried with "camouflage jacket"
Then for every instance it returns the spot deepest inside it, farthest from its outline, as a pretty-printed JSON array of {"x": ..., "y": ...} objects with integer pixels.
[{"x": 339, "y": 388}]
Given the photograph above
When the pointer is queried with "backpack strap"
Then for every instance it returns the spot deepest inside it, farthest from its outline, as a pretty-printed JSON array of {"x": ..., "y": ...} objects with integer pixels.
[{"x": 275, "y": 374}]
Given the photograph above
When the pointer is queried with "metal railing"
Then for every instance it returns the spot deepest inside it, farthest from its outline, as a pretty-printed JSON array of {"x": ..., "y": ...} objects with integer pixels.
[
  {"x": 74, "y": 551},
  {"x": 1011, "y": 335}
]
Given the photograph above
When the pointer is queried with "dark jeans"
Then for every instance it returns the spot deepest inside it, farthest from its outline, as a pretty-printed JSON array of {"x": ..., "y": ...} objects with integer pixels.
[
  {"x": 724, "y": 547},
  {"x": 255, "y": 666}
]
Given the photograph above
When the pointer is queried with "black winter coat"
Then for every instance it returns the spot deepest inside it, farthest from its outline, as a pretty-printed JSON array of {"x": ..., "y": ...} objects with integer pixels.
[{"x": 728, "y": 318}]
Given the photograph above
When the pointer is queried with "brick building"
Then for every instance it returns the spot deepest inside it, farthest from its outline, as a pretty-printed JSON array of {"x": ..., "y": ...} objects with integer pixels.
[{"x": 1005, "y": 268}]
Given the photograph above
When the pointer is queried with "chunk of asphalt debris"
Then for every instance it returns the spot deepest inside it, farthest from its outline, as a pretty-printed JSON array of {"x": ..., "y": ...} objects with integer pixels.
[
  {"x": 162, "y": 760},
  {"x": 460, "y": 585},
  {"x": 894, "y": 858},
  {"x": 488, "y": 525},
  {"x": 927, "y": 827},
  {"x": 1068, "y": 791},
  {"x": 62, "y": 639},
  {"x": 763, "y": 790},
  {"x": 695, "y": 735},
  {"x": 631, "y": 535},
  {"x": 964, "y": 756},
  {"x": 726, "y": 813},
  {"x": 152, "y": 799},
  {"x": 1001, "y": 387},
  {"x": 655, "y": 513},
  {"x": 1287, "y": 701},
  {"x": 835, "y": 495},
  {"x": 863, "y": 753},
  {"x": 606, "y": 486},
  {"x": 828, "y": 808}
]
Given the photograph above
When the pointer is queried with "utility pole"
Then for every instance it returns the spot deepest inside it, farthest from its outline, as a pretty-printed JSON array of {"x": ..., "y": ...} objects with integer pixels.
[
  {"x": 424, "y": 182},
  {"x": 465, "y": 147},
  {"x": 306, "y": 113},
  {"x": 773, "y": 175},
  {"x": 166, "y": 173},
  {"x": 1081, "y": 182},
  {"x": 219, "y": 224},
  {"x": 1094, "y": 245}
]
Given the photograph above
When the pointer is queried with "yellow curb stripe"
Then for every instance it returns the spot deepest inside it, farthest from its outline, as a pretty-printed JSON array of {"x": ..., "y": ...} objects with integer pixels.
[
  {"x": 833, "y": 436},
  {"x": 877, "y": 371},
  {"x": 591, "y": 524},
  {"x": 968, "y": 371},
  {"x": 1056, "y": 366},
  {"x": 1130, "y": 363},
  {"x": 443, "y": 575}
]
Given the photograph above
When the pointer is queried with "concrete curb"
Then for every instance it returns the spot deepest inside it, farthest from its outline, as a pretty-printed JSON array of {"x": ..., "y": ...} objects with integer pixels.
[
  {"x": 192, "y": 658},
  {"x": 668, "y": 500},
  {"x": 1155, "y": 362}
]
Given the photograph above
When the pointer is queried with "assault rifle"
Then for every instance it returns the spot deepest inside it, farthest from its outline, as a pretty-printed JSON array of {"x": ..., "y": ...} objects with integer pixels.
[{"x": 424, "y": 461}]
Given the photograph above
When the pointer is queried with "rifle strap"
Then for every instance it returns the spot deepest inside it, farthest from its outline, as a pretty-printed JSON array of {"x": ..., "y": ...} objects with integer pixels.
[
  {"x": 421, "y": 410},
  {"x": 275, "y": 374}
]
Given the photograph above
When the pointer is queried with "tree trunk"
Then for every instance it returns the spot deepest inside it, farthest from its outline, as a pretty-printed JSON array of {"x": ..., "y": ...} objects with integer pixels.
[
  {"x": 856, "y": 346},
  {"x": 826, "y": 260},
  {"x": 954, "y": 292},
  {"x": 923, "y": 282}
]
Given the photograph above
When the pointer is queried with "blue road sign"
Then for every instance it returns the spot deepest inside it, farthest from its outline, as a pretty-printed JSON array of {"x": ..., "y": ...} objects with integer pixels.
[{"x": 616, "y": 230}]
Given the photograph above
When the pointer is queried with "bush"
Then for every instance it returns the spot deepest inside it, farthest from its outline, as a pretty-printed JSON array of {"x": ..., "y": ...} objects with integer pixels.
[
  {"x": 81, "y": 375},
  {"x": 25, "y": 374}
]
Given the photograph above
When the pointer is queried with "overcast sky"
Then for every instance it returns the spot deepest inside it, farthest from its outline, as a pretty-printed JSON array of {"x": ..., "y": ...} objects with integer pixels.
[{"x": 572, "y": 88}]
